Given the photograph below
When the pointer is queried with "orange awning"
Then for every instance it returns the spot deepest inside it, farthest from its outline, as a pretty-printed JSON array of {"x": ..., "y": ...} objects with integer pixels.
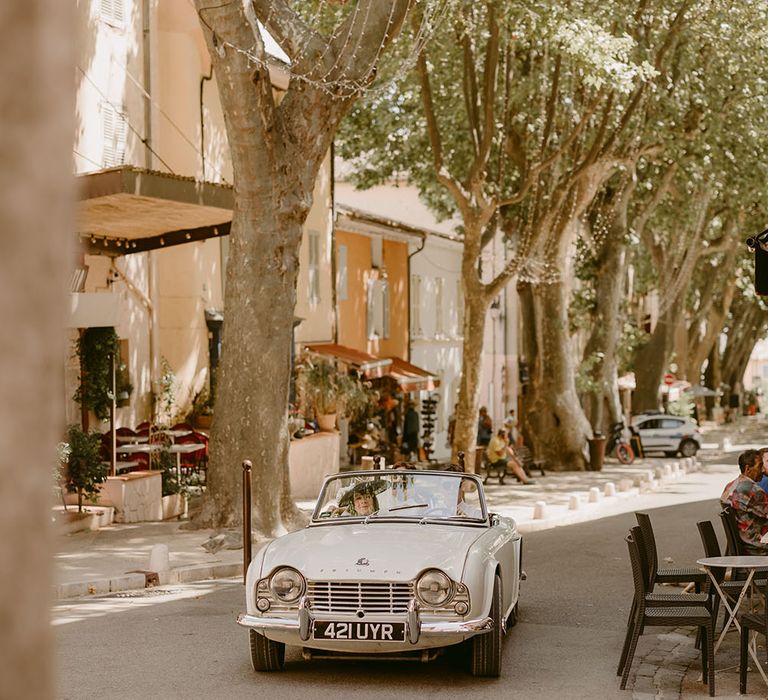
[
  {"x": 410, "y": 377},
  {"x": 370, "y": 365}
]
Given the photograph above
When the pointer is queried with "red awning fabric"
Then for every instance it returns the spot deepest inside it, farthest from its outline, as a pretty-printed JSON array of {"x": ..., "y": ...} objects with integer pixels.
[
  {"x": 410, "y": 377},
  {"x": 370, "y": 365}
]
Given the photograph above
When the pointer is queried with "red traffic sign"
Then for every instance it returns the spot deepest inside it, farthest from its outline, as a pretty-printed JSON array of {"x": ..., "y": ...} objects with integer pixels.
[{"x": 669, "y": 379}]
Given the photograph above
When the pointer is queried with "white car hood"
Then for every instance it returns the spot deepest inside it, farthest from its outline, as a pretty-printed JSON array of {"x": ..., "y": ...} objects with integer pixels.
[{"x": 375, "y": 552}]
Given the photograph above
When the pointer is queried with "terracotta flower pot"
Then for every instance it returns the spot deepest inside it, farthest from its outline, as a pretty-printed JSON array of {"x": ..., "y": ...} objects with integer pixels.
[{"x": 327, "y": 422}]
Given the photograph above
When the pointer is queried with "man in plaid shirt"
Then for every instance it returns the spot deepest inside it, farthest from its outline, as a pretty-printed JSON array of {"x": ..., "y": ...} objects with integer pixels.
[{"x": 749, "y": 502}]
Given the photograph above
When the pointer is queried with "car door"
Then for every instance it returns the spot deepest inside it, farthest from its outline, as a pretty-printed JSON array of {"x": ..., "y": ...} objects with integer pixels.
[
  {"x": 649, "y": 436},
  {"x": 670, "y": 433}
]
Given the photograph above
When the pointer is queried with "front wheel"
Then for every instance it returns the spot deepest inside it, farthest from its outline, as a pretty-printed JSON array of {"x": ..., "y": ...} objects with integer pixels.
[
  {"x": 624, "y": 453},
  {"x": 688, "y": 448},
  {"x": 266, "y": 655},
  {"x": 486, "y": 648}
]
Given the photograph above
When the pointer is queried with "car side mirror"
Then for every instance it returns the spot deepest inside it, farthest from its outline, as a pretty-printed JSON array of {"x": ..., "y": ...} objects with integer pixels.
[{"x": 494, "y": 518}]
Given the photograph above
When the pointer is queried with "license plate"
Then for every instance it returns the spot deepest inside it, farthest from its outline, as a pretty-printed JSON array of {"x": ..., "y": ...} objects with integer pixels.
[{"x": 360, "y": 631}]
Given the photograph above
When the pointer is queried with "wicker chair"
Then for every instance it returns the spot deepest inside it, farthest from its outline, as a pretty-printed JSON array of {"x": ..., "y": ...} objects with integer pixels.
[
  {"x": 657, "y": 600},
  {"x": 685, "y": 574},
  {"x": 698, "y": 616},
  {"x": 757, "y": 621}
]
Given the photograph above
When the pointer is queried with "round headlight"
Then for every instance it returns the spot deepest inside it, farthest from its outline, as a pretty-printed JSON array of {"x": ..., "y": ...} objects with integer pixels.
[
  {"x": 434, "y": 588},
  {"x": 287, "y": 584}
]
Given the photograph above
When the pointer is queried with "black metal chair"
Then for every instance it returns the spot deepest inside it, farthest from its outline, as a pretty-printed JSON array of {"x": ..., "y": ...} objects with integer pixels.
[
  {"x": 757, "y": 621},
  {"x": 673, "y": 616},
  {"x": 684, "y": 574}
]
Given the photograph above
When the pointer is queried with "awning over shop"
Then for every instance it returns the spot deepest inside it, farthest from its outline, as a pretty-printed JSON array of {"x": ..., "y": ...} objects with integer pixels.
[
  {"x": 370, "y": 365},
  {"x": 130, "y": 210},
  {"x": 410, "y": 377}
]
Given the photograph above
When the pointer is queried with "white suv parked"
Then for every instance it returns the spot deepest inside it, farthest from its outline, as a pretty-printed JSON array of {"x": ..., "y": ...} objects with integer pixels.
[{"x": 668, "y": 434}]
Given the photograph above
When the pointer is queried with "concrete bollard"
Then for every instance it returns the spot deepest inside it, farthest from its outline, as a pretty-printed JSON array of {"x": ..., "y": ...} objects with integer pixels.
[
  {"x": 727, "y": 444},
  {"x": 158, "y": 558},
  {"x": 594, "y": 494},
  {"x": 574, "y": 503},
  {"x": 668, "y": 471},
  {"x": 625, "y": 485},
  {"x": 676, "y": 471},
  {"x": 609, "y": 489},
  {"x": 366, "y": 462},
  {"x": 659, "y": 472},
  {"x": 539, "y": 510}
]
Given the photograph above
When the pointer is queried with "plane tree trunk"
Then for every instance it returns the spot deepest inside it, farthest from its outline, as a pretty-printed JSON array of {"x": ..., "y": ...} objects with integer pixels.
[{"x": 276, "y": 150}]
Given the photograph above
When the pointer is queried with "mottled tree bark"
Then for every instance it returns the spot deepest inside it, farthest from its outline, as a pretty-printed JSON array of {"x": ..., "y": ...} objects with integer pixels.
[
  {"x": 603, "y": 341},
  {"x": 36, "y": 206},
  {"x": 276, "y": 150}
]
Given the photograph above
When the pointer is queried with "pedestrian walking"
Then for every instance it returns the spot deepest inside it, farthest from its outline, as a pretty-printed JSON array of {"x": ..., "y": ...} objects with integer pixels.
[
  {"x": 484, "y": 428},
  {"x": 410, "y": 431}
]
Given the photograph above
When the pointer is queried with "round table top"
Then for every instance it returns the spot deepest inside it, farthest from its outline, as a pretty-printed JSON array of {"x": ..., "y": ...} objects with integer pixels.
[{"x": 740, "y": 562}]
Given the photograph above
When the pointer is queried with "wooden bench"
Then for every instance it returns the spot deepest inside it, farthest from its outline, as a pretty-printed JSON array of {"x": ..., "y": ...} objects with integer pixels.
[{"x": 528, "y": 462}]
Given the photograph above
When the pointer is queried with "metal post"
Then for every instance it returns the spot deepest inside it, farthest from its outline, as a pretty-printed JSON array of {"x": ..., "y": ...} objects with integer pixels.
[
  {"x": 112, "y": 409},
  {"x": 247, "y": 466},
  {"x": 377, "y": 462},
  {"x": 461, "y": 460}
]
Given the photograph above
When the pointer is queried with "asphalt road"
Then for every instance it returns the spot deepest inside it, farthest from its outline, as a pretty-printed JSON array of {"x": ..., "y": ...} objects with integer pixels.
[{"x": 182, "y": 642}]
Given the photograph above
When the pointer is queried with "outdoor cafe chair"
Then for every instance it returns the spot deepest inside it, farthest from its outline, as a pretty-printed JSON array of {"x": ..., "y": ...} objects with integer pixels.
[
  {"x": 656, "y": 600},
  {"x": 673, "y": 616},
  {"x": 758, "y": 622},
  {"x": 684, "y": 574},
  {"x": 735, "y": 545}
]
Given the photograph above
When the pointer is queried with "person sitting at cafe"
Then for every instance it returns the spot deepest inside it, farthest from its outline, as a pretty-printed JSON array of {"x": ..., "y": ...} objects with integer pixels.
[
  {"x": 749, "y": 502},
  {"x": 501, "y": 457}
]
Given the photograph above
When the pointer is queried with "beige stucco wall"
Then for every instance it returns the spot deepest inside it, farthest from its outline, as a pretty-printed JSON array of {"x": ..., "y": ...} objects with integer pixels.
[{"x": 178, "y": 284}]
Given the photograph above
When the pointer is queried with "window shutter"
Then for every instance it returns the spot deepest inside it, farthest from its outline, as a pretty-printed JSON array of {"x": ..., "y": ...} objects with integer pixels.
[
  {"x": 313, "y": 268},
  {"x": 113, "y": 13},
  {"x": 114, "y": 131},
  {"x": 416, "y": 305},
  {"x": 384, "y": 309},
  {"x": 343, "y": 292},
  {"x": 439, "y": 306}
]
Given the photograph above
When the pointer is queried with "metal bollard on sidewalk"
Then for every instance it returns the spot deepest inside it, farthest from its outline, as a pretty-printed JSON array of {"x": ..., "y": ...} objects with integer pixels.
[{"x": 247, "y": 466}]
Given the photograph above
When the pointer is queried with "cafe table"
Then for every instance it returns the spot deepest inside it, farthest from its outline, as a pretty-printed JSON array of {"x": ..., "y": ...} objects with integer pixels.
[
  {"x": 750, "y": 564},
  {"x": 186, "y": 448}
]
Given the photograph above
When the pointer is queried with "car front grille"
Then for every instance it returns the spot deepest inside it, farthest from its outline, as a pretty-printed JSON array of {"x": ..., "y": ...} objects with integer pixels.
[{"x": 352, "y": 596}]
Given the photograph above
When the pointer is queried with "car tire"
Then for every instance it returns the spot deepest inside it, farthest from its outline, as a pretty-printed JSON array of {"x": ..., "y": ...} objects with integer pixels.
[
  {"x": 266, "y": 655},
  {"x": 486, "y": 648},
  {"x": 688, "y": 448}
]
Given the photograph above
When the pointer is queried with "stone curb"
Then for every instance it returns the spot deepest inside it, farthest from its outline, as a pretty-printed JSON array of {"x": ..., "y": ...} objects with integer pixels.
[
  {"x": 645, "y": 481},
  {"x": 135, "y": 581}
]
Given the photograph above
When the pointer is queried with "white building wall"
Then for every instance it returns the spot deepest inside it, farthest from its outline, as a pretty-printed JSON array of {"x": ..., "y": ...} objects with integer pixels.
[{"x": 436, "y": 333}]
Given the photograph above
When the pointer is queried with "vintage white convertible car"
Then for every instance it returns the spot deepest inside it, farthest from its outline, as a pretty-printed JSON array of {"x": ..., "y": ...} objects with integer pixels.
[{"x": 393, "y": 563}]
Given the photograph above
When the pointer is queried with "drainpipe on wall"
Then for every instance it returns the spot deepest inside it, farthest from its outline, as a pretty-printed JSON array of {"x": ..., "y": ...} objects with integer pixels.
[
  {"x": 408, "y": 315},
  {"x": 147, "y": 55},
  {"x": 203, "y": 78},
  {"x": 334, "y": 300}
]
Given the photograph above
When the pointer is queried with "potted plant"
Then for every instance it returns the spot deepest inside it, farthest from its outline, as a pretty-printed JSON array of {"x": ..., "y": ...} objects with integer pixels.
[
  {"x": 201, "y": 414},
  {"x": 329, "y": 392},
  {"x": 85, "y": 468},
  {"x": 174, "y": 493}
]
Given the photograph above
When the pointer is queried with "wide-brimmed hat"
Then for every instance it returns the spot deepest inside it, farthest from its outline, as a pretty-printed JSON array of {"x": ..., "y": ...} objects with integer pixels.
[{"x": 367, "y": 487}]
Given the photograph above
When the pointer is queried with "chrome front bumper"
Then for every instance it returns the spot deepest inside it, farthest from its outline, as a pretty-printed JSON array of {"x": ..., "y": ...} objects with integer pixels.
[{"x": 415, "y": 628}]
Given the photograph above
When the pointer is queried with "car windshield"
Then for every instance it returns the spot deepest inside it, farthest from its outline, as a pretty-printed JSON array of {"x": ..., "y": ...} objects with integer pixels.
[{"x": 400, "y": 494}]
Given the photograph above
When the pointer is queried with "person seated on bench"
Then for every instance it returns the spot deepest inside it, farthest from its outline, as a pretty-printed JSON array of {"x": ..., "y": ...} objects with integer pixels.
[{"x": 501, "y": 457}]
